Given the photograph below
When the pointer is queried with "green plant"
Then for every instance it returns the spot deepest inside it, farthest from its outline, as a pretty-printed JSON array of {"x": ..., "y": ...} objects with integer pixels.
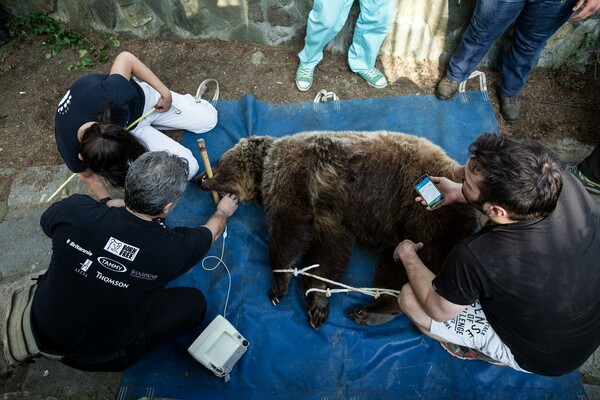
[
  {"x": 84, "y": 61},
  {"x": 36, "y": 23},
  {"x": 59, "y": 37}
]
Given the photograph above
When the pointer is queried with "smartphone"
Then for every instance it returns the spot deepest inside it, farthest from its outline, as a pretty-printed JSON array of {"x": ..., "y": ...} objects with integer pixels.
[{"x": 428, "y": 191}]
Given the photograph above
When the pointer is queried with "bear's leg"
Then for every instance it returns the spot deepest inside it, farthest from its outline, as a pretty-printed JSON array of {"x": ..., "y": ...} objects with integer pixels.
[
  {"x": 287, "y": 241},
  {"x": 389, "y": 275},
  {"x": 332, "y": 253}
]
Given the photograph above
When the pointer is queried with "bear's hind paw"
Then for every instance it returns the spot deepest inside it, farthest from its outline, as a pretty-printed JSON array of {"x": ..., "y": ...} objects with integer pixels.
[{"x": 367, "y": 316}]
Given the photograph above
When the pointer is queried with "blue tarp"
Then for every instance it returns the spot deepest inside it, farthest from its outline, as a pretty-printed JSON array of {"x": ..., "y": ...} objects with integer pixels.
[{"x": 286, "y": 358}]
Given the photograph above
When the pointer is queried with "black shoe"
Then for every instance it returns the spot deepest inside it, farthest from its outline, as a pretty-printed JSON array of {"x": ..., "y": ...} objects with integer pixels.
[
  {"x": 446, "y": 88},
  {"x": 510, "y": 108}
]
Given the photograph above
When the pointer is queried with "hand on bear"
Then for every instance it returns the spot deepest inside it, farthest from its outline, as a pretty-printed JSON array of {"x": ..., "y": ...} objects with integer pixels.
[
  {"x": 228, "y": 204},
  {"x": 406, "y": 248}
]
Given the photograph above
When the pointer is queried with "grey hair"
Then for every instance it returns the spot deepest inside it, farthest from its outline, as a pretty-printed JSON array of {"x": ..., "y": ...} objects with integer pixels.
[{"x": 154, "y": 180}]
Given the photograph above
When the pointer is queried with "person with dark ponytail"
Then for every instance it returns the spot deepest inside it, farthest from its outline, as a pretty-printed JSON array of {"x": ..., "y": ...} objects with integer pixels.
[
  {"x": 108, "y": 149},
  {"x": 92, "y": 117}
]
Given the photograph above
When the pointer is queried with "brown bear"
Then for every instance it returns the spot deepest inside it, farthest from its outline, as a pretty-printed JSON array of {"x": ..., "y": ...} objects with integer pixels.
[{"x": 323, "y": 191}]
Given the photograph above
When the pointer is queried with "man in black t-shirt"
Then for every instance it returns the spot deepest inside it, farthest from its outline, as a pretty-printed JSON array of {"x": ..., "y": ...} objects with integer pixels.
[
  {"x": 523, "y": 291},
  {"x": 103, "y": 303}
]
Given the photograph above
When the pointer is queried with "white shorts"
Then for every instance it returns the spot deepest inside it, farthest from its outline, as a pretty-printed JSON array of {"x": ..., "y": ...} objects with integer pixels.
[
  {"x": 185, "y": 113},
  {"x": 471, "y": 329}
]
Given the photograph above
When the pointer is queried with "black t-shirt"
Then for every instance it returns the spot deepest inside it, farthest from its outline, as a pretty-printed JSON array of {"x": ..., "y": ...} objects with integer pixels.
[
  {"x": 107, "y": 268},
  {"x": 84, "y": 102},
  {"x": 538, "y": 282}
]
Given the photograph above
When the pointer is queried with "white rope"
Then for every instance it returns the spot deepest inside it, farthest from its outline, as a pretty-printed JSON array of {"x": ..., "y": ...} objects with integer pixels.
[
  {"x": 202, "y": 89},
  {"x": 375, "y": 292},
  {"x": 324, "y": 96},
  {"x": 215, "y": 267},
  {"x": 482, "y": 86}
]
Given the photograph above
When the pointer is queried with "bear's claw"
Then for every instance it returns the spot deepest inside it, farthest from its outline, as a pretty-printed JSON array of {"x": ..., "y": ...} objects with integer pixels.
[
  {"x": 276, "y": 295},
  {"x": 279, "y": 288}
]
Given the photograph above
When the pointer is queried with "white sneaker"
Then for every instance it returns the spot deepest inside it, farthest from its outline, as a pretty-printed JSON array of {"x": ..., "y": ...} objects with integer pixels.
[
  {"x": 374, "y": 77},
  {"x": 304, "y": 78}
]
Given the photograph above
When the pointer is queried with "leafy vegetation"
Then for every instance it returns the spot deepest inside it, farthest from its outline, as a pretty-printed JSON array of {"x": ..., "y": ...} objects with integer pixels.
[{"x": 59, "y": 37}]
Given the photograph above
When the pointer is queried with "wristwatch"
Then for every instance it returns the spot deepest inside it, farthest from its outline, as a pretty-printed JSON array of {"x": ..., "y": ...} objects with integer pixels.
[{"x": 105, "y": 200}]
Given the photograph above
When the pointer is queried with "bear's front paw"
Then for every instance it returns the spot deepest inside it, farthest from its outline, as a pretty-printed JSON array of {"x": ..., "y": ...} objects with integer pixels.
[{"x": 317, "y": 309}]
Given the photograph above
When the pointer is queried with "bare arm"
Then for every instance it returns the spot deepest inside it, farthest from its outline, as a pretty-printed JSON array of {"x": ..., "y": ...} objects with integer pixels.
[
  {"x": 420, "y": 277},
  {"x": 218, "y": 221},
  {"x": 95, "y": 183},
  {"x": 585, "y": 9},
  {"x": 128, "y": 65}
]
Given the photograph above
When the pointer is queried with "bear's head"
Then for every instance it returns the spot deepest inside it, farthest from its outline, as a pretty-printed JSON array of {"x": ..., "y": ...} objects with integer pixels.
[{"x": 240, "y": 169}]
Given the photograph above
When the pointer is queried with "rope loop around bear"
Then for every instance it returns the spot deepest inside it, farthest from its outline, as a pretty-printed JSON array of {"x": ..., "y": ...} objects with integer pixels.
[{"x": 375, "y": 292}]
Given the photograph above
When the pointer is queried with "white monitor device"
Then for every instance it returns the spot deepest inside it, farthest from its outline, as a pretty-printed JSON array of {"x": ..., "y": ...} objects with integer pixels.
[{"x": 219, "y": 347}]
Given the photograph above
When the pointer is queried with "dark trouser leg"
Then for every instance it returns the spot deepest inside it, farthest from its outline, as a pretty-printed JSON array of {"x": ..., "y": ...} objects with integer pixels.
[
  {"x": 489, "y": 21},
  {"x": 175, "y": 311},
  {"x": 534, "y": 26}
]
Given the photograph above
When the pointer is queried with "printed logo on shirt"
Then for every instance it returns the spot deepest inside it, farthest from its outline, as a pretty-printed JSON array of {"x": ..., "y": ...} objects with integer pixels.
[
  {"x": 471, "y": 322},
  {"x": 143, "y": 275},
  {"x": 84, "y": 266},
  {"x": 121, "y": 249},
  {"x": 65, "y": 103},
  {"x": 111, "y": 281},
  {"x": 111, "y": 264},
  {"x": 78, "y": 247}
]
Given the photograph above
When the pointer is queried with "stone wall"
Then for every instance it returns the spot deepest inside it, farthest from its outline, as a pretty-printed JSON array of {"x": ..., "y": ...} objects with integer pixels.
[{"x": 422, "y": 30}]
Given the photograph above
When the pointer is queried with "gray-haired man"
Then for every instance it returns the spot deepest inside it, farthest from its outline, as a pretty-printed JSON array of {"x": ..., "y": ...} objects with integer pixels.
[{"x": 103, "y": 303}]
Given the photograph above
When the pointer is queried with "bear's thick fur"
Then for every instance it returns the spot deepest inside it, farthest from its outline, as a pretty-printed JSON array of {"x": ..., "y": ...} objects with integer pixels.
[{"x": 323, "y": 191}]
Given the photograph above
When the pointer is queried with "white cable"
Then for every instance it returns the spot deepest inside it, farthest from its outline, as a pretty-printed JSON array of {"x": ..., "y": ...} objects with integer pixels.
[
  {"x": 226, "y": 269},
  {"x": 375, "y": 292}
]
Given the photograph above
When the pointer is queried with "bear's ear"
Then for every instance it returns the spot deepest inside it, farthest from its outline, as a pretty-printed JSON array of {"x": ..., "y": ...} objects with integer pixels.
[
  {"x": 253, "y": 151},
  {"x": 259, "y": 146}
]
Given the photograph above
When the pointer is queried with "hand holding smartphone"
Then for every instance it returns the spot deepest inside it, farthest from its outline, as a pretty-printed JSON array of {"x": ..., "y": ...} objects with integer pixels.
[{"x": 428, "y": 191}]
